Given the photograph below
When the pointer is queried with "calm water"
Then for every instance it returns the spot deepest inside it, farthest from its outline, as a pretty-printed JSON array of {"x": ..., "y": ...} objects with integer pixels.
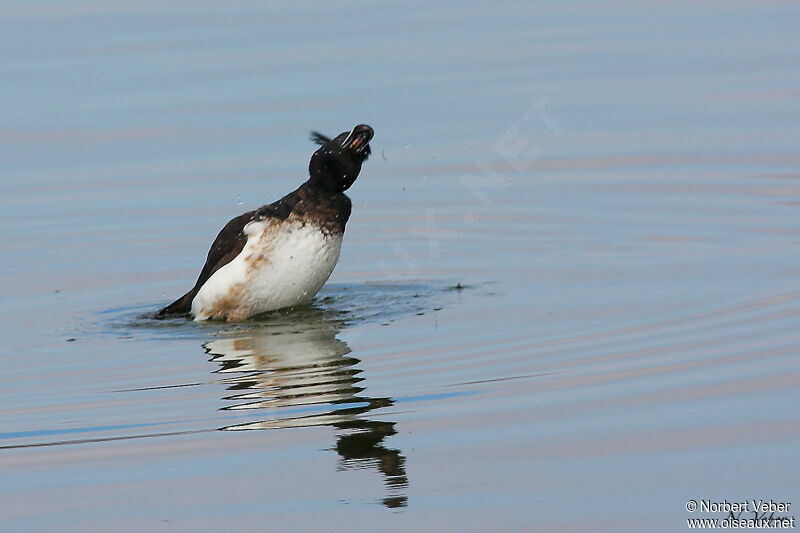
[{"x": 568, "y": 298}]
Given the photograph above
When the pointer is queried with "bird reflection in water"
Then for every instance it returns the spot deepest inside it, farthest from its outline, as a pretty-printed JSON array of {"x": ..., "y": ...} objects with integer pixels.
[{"x": 294, "y": 366}]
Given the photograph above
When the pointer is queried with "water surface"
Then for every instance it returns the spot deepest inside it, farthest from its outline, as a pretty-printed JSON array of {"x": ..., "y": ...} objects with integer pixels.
[{"x": 567, "y": 298}]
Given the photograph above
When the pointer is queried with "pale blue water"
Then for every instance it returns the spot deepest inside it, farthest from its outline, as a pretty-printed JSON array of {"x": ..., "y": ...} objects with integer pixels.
[{"x": 614, "y": 185}]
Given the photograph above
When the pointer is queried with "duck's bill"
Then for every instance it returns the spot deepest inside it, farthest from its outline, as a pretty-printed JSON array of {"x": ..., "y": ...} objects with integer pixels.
[{"x": 358, "y": 139}]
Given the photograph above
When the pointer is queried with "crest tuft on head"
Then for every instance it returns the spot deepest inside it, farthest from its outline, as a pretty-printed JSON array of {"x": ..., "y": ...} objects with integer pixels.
[{"x": 319, "y": 138}]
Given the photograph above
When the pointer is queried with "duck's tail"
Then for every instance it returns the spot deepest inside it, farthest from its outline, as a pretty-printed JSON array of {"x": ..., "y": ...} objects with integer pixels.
[{"x": 179, "y": 307}]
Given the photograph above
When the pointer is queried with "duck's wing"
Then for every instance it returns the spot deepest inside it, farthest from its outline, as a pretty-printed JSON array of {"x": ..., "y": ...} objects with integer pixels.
[{"x": 229, "y": 243}]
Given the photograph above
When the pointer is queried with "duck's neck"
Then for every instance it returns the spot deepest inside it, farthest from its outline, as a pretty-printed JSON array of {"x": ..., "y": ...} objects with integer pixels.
[{"x": 330, "y": 209}]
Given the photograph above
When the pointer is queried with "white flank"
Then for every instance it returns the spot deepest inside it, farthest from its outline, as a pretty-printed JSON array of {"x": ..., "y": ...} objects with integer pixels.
[{"x": 282, "y": 264}]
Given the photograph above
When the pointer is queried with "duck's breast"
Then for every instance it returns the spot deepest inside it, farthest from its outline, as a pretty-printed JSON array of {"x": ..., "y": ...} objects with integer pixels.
[{"x": 283, "y": 263}]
